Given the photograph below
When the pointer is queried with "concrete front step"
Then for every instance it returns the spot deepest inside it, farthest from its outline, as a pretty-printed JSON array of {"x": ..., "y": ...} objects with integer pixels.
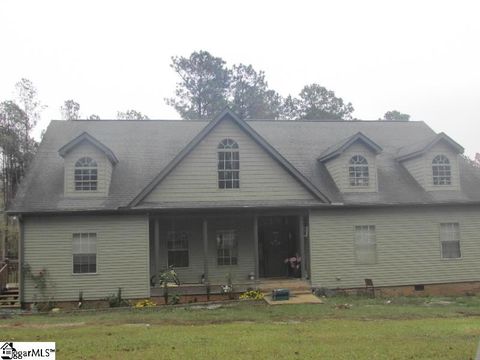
[{"x": 296, "y": 286}]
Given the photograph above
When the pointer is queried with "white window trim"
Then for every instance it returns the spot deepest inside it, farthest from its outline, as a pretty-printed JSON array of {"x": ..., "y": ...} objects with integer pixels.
[
  {"x": 357, "y": 262},
  {"x": 96, "y": 254},
  {"x": 236, "y": 150},
  {"x": 449, "y": 164},
  {"x": 75, "y": 168},
  {"x": 187, "y": 249},
  {"x": 237, "y": 247},
  {"x": 368, "y": 166},
  {"x": 459, "y": 240}
]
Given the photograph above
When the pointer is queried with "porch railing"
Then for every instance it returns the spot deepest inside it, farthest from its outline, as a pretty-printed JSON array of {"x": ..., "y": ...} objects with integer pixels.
[{"x": 8, "y": 273}]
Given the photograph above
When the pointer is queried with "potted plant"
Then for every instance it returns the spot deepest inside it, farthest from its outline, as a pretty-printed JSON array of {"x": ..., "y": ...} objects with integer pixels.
[{"x": 293, "y": 264}]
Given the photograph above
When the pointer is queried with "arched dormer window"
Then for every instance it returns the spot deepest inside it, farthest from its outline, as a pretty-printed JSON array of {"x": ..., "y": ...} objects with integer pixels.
[
  {"x": 86, "y": 174},
  {"x": 228, "y": 165},
  {"x": 441, "y": 170},
  {"x": 358, "y": 171}
]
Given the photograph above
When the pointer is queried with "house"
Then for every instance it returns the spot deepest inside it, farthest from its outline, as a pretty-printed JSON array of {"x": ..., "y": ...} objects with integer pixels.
[
  {"x": 7, "y": 350},
  {"x": 108, "y": 204}
]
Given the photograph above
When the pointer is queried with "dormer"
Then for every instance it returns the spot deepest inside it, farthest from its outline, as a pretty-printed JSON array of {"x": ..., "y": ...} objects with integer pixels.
[
  {"x": 88, "y": 166},
  {"x": 352, "y": 163},
  {"x": 434, "y": 164}
]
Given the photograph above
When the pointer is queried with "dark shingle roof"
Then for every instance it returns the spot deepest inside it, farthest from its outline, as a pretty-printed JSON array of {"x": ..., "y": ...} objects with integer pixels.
[
  {"x": 144, "y": 148},
  {"x": 411, "y": 151},
  {"x": 337, "y": 149}
]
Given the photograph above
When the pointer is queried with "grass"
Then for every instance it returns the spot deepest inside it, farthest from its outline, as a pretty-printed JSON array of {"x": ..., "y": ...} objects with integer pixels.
[{"x": 405, "y": 328}]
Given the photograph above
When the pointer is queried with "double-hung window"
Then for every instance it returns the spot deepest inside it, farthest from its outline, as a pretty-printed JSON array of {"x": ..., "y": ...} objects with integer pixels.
[
  {"x": 227, "y": 247},
  {"x": 450, "y": 240},
  {"x": 84, "y": 253},
  {"x": 177, "y": 246},
  {"x": 365, "y": 244}
]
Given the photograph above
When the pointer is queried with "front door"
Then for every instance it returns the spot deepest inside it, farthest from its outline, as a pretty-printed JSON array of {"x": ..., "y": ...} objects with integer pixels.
[{"x": 277, "y": 241}]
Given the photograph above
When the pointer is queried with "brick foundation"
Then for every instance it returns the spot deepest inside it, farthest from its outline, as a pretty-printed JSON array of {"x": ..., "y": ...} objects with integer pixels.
[
  {"x": 159, "y": 300},
  {"x": 447, "y": 289}
]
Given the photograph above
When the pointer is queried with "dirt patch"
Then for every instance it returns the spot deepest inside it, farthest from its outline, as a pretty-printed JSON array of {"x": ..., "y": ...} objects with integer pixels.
[{"x": 46, "y": 326}]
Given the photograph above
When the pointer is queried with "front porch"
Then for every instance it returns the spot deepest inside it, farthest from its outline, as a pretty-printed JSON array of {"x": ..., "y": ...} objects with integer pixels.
[{"x": 245, "y": 251}]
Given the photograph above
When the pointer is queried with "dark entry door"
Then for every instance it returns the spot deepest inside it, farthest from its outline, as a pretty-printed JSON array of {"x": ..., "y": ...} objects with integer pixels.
[{"x": 277, "y": 240}]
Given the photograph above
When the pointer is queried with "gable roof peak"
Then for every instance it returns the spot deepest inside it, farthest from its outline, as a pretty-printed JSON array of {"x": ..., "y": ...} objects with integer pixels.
[
  {"x": 340, "y": 147},
  {"x": 228, "y": 114},
  {"x": 84, "y": 136}
]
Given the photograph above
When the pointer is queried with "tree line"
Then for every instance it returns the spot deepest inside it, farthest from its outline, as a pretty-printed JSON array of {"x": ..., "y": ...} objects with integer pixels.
[{"x": 207, "y": 85}]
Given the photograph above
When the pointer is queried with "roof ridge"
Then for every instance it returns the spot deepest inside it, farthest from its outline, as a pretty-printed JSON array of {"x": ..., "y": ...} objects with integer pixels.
[{"x": 247, "y": 120}]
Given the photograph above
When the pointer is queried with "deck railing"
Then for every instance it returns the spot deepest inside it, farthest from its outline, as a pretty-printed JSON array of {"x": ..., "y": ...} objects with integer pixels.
[{"x": 8, "y": 273}]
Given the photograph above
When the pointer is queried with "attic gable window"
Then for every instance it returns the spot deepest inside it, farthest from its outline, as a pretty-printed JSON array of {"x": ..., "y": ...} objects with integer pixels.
[
  {"x": 228, "y": 165},
  {"x": 441, "y": 169},
  {"x": 86, "y": 174},
  {"x": 358, "y": 171}
]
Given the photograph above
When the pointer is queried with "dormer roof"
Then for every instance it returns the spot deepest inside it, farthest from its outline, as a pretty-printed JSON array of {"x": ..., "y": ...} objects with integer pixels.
[
  {"x": 419, "y": 149},
  {"x": 86, "y": 137},
  {"x": 338, "y": 148}
]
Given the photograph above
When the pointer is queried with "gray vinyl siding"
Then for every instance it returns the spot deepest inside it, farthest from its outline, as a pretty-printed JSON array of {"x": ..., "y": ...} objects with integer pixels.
[
  {"x": 407, "y": 243},
  {"x": 243, "y": 226},
  {"x": 122, "y": 256},
  {"x": 339, "y": 169},
  {"x": 261, "y": 177},
  {"x": 104, "y": 170},
  {"x": 421, "y": 168}
]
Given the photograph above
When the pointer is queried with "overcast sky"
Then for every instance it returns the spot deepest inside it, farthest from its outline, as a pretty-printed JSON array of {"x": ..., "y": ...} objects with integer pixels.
[{"x": 419, "y": 57}]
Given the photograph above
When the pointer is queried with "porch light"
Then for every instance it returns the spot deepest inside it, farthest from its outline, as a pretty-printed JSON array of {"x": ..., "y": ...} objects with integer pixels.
[{"x": 251, "y": 276}]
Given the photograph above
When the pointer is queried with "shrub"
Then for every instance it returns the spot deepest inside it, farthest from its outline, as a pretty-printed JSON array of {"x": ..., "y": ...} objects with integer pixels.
[
  {"x": 116, "y": 300},
  {"x": 252, "y": 295},
  {"x": 144, "y": 303}
]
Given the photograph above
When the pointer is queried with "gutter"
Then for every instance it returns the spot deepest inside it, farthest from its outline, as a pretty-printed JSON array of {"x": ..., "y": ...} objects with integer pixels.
[{"x": 146, "y": 210}]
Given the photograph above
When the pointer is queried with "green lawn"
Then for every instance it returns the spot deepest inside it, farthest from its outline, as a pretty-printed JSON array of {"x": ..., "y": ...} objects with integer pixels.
[{"x": 406, "y": 328}]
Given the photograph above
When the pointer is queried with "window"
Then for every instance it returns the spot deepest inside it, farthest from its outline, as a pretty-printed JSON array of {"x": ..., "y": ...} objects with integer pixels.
[
  {"x": 450, "y": 240},
  {"x": 227, "y": 248},
  {"x": 228, "y": 165},
  {"x": 86, "y": 175},
  {"x": 365, "y": 244},
  {"x": 358, "y": 171},
  {"x": 84, "y": 253},
  {"x": 442, "y": 174},
  {"x": 177, "y": 245}
]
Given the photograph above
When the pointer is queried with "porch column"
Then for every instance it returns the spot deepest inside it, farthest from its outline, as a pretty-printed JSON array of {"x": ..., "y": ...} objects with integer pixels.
[
  {"x": 205, "y": 248},
  {"x": 255, "y": 247},
  {"x": 302, "y": 247},
  {"x": 156, "y": 245}
]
